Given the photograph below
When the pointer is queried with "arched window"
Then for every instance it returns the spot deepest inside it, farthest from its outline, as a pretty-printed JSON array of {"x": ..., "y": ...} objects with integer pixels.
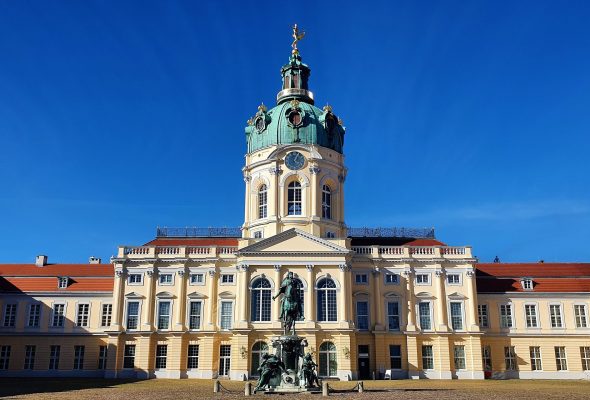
[
  {"x": 262, "y": 202},
  {"x": 299, "y": 284},
  {"x": 328, "y": 365},
  {"x": 326, "y": 202},
  {"x": 260, "y": 305},
  {"x": 326, "y": 300},
  {"x": 258, "y": 350},
  {"x": 294, "y": 198}
]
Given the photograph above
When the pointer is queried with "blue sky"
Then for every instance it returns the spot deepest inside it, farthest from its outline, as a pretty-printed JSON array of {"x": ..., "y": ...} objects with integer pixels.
[{"x": 472, "y": 117}]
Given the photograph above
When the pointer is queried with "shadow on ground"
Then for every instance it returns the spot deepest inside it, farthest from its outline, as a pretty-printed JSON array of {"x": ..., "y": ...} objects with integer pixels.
[{"x": 23, "y": 386}]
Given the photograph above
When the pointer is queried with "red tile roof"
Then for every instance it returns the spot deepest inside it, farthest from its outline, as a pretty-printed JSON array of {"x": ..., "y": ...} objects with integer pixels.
[
  {"x": 193, "y": 242},
  {"x": 56, "y": 270},
  {"x": 547, "y": 277}
]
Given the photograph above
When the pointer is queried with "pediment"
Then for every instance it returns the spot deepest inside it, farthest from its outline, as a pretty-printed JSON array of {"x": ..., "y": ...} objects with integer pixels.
[
  {"x": 457, "y": 296},
  {"x": 134, "y": 295},
  {"x": 296, "y": 242},
  {"x": 196, "y": 295},
  {"x": 165, "y": 295}
]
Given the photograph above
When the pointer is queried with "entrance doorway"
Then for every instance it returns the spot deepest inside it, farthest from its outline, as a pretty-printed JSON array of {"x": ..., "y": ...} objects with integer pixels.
[{"x": 364, "y": 362}]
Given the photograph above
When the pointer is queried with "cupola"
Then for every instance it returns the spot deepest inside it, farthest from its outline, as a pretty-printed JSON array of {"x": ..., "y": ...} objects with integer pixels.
[{"x": 295, "y": 75}]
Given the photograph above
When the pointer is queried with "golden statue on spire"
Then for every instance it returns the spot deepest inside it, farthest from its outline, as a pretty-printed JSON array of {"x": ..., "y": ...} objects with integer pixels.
[{"x": 297, "y": 36}]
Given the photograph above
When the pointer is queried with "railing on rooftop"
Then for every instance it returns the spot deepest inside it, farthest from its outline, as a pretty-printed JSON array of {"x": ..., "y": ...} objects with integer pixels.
[{"x": 199, "y": 232}]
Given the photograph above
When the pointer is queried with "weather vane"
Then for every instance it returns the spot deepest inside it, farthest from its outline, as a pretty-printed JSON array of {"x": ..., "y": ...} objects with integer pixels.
[{"x": 297, "y": 36}]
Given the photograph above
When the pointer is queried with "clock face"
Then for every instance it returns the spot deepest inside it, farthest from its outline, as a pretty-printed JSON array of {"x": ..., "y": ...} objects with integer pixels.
[{"x": 295, "y": 160}]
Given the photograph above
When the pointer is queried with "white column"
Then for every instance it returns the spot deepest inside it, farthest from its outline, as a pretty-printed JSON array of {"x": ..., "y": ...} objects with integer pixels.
[
  {"x": 310, "y": 302},
  {"x": 441, "y": 301},
  {"x": 411, "y": 311},
  {"x": 210, "y": 317},
  {"x": 276, "y": 306},
  {"x": 471, "y": 303},
  {"x": 243, "y": 295},
  {"x": 118, "y": 298},
  {"x": 344, "y": 298},
  {"x": 150, "y": 303},
  {"x": 181, "y": 301},
  {"x": 378, "y": 299}
]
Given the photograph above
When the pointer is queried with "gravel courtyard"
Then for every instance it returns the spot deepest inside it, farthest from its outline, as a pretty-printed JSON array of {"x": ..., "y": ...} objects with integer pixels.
[{"x": 98, "y": 389}]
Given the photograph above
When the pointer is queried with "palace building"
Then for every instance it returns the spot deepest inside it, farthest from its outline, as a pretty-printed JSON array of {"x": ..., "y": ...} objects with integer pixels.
[{"x": 384, "y": 303}]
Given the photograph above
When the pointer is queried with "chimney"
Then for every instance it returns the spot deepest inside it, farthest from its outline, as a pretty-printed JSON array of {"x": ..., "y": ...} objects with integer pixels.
[
  {"x": 41, "y": 260},
  {"x": 94, "y": 260}
]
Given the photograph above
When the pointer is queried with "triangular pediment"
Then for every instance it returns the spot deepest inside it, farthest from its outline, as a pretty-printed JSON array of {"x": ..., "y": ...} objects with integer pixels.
[{"x": 294, "y": 241}]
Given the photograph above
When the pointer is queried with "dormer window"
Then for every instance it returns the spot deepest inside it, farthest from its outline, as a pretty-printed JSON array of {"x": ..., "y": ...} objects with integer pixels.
[
  {"x": 526, "y": 283},
  {"x": 62, "y": 282}
]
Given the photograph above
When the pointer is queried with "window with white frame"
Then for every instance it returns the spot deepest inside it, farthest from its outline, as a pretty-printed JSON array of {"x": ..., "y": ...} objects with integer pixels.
[
  {"x": 30, "y": 351},
  {"x": 224, "y": 359},
  {"x": 486, "y": 355},
  {"x": 129, "y": 356},
  {"x": 135, "y": 279},
  {"x": 227, "y": 279},
  {"x": 164, "y": 309},
  {"x": 79, "y": 357},
  {"x": 425, "y": 317},
  {"x": 165, "y": 279},
  {"x": 58, "y": 318},
  {"x": 393, "y": 323},
  {"x": 54, "y": 352},
  {"x": 456, "y": 315},
  {"x": 362, "y": 315},
  {"x": 395, "y": 356},
  {"x": 260, "y": 300},
  {"x": 530, "y": 311},
  {"x": 107, "y": 314},
  {"x": 161, "y": 356},
  {"x": 560, "y": 358},
  {"x": 326, "y": 202},
  {"x": 326, "y": 300},
  {"x": 427, "y": 357},
  {"x": 510, "y": 358},
  {"x": 506, "y": 315},
  {"x": 192, "y": 359},
  {"x": 482, "y": 315},
  {"x": 197, "y": 279},
  {"x": 132, "y": 315},
  {"x": 459, "y": 356},
  {"x": 526, "y": 283},
  {"x": 453, "y": 279},
  {"x": 102, "y": 357},
  {"x": 9, "y": 315},
  {"x": 391, "y": 278},
  {"x": 330, "y": 235},
  {"x": 194, "y": 314},
  {"x": 328, "y": 361},
  {"x": 258, "y": 235},
  {"x": 226, "y": 315},
  {"x": 555, "y": 314},
  {"x": 535, "y": 352},
  {"x": 361, "y": 279},
  {"x": 62, "y": 282},
  {"x": 262, "y": 202},
  {"x": 83, "y": 314},
  {"x": 34, "y": 315},
  {"x": 422, "y": 279},
  {"x": 4, "y": 356},
  {"x": 585, "y": 355},
  {"x": 581, "y": 316},
  {"x": 294, "y": 198}
]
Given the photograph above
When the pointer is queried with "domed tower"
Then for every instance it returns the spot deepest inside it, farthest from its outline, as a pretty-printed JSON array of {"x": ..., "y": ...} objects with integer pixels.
[{"x": 294, "y": 170}]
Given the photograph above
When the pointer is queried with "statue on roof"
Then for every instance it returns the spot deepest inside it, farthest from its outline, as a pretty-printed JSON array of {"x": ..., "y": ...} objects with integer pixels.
[{"x": 297, "y": 36}]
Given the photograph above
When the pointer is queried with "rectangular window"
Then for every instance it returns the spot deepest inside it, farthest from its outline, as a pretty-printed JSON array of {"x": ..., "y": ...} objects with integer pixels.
[
  {"x": 226, "y": 315},
  {"x": 262, "y": 202},
  {"x": 135, "y": 279},
  {"x": 194, "y": 315},
  {"x": 34, "y": 315},
  {"x": 30, "y": 357},
  {"x": 224, "y": 359},
  {"x": 58, "y": 318},
  {"x": 424, "y": 313},
  {"x": 362, "y": 315},
  {"x": 395, "y": 356},
  {"x": 486, "y": 355},
  {"x": 427, "y": 357},
  {"x": 161, "y": 354},
  {"x": 197, "y": 279},
  {"x": 560, "y": 358},
  {"x": 102, "y": 357},
  {"x": 258, "y": 235},
  {"x": 456, "y": 315},
  {"x": 482, "y": 315},
  {"x": 510, "y": 358},
  {"x": 535, "y": 352},
  {"x": 192, "y": 361},
  {"x": 83, "y": 314},
  {"x": 163, "y": 315},
  {"x": 531, "y": 315},
  {"x": 4, "y": 357},
  {"x": 54, "y": 352},
  {"x": 361, "y": 279},
  {"x": 9, "y": 315},
  {"x": 62, "y": 282},
  {"x": 165, "y": 279},
  {"x": 107, "y": 314},
  {"x": 422, "y": 279},
  {"x": 453, "y": 279},
  {"x": 585, "y": 355},
  {"x": 459, "y": 356},
  {"x": 555, "y": 313},
  {"x": 391, "y": 279},
  {"x": 581, "y": 316},
  {"x": 133, "y": 315},
  {"x": 294, "y": 199},
  {"x": 78, "y": 357},
  {"x": 227, "y": 278},
  {"x": 527, "y": 284},
  {"x": 506, "y": 316},
  {"x": 129, "y": 356},
  {"x": 393, "y": 315}
]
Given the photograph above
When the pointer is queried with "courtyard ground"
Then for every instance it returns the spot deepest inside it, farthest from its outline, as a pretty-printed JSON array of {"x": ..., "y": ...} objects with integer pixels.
[{"x": 161, "y": 389}]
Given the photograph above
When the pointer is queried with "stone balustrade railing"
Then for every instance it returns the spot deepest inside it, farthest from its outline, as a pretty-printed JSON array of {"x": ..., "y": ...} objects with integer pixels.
[
  {"x": 411, "y": 252},
  {"x": 138, "y": 252}
]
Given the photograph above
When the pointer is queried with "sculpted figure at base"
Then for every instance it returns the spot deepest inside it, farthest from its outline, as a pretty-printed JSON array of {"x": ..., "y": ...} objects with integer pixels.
[
  {"x": 308, "y": 371},
  {"x": 290, "y": 303},
  {"x": 270, "y": 367}
]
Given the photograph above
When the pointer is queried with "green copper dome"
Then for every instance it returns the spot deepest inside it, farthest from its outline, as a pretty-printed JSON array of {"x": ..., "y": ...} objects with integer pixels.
[{"x": 295, "y": 119}]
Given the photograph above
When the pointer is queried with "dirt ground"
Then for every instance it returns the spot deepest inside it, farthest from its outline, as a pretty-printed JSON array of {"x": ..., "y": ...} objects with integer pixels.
[{"x": 194, "y": 389}]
